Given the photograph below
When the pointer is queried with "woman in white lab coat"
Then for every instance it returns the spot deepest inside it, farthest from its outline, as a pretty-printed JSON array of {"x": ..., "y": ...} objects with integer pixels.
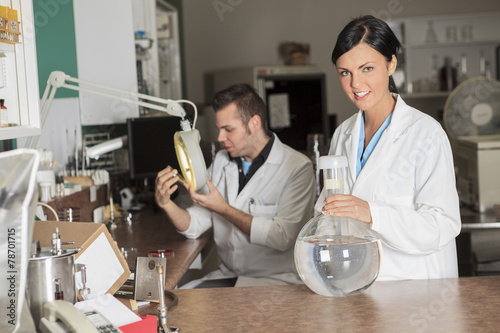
[{"x": 401, "y": 178}]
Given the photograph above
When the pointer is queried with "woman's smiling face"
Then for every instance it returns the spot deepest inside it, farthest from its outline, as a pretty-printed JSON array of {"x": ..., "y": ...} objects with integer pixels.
[{"x": 364, "y": 75}]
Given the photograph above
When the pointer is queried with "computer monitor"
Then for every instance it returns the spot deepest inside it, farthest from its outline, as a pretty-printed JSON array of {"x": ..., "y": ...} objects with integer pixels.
[{"x": 151, "y": 145}]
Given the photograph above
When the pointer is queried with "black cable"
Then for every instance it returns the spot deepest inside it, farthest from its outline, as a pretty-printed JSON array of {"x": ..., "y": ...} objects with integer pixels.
[
  {"x": 174, "y": 300},
  {"x": 173, "y": 297}
]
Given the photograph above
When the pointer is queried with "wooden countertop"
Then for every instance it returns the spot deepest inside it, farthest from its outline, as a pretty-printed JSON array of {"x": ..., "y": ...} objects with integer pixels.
[
  {"x": 151, "y": 231},
  {"x": 468, "y": 304}
]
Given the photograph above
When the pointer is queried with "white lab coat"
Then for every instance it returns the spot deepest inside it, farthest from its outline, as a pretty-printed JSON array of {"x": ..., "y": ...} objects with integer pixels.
[
  {"x": 280, "y": 196},
  {"x": 409, "y": 183}
]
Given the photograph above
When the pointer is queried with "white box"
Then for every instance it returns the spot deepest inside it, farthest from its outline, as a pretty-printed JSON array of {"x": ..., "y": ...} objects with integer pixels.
[{"x": 478, "y": 163}]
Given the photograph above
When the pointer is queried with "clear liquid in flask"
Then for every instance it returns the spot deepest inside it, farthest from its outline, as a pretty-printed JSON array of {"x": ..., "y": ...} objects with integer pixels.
[{"x": 338, "y": 265}]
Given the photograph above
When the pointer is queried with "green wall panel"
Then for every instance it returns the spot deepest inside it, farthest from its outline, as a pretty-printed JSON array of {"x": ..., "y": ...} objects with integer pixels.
[{"x": 55, "y": 41}]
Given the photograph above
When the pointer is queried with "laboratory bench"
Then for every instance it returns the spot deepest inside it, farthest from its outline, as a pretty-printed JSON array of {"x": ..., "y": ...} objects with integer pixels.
[
  {"x": 149, "y": 230},
  {"x": 466, "y": 304},
  {"x": 478, "y": 245},
  {"x": 472, "y": 220}
]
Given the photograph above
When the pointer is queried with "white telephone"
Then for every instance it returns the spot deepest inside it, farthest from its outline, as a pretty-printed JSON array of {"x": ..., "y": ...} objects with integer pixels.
[{"x": 63, "y": 317}]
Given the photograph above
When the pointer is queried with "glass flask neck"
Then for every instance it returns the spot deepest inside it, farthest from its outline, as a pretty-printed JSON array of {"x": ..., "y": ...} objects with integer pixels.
[{"x": 333, "y": 180}]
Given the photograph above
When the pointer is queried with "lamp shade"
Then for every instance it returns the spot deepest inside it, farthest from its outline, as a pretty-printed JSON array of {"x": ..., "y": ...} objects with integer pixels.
[{"x": 190, "y": 158}]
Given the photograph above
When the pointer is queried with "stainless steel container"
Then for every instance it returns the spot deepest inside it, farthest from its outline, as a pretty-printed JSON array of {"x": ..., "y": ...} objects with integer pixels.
[{"x": 50, "y": 277}]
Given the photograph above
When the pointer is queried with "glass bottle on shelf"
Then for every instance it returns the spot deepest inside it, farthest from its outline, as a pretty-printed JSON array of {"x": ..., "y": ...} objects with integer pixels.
[
  {"x": 487, "y": 69},
  {"x": 434, "y": 79},
  {"x": 463, "y": 69},
  {"x": 4, "y": 122},
  {"x": 447, "y": 76},
  {"x": 466, "y": 33},
  {"x": 482, "y": 64},
  {"x": 431, "y": 36},
  {"x": 451, "y": 34}
]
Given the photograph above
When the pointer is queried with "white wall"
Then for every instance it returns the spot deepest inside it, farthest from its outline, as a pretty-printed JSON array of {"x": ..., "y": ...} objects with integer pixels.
[
  {"x": 105, "y": 55},
  {"x": 233, "y": 33},
  {"x": 61, "y": 132}
]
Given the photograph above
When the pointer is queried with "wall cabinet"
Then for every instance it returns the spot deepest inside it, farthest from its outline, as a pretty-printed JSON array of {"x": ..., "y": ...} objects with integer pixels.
[
  {"x": 157, "y": 48},
  {"x": 428, "y": 41},
  {"x": 19, "y": 76}
]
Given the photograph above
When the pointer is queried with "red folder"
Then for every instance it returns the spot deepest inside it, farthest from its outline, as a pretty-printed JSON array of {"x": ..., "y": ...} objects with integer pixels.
[{"x": 148, "y": 324}]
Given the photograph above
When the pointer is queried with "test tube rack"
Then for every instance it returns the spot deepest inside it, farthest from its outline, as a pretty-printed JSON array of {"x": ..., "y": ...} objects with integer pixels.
[{"x": 9, "y": 26}]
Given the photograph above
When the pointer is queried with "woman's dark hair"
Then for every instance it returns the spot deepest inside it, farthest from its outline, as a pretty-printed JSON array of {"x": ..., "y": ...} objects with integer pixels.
[
  {"x": 373, "y": 32},
  {"x": 247, "y": 101}
]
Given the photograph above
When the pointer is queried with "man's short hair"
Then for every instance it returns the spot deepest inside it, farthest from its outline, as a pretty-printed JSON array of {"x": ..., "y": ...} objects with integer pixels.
[{"x": 248, "y": 102}]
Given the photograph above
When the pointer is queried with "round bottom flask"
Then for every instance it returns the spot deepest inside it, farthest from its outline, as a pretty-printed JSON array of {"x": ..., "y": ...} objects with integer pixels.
[{"x": 335, "y": 257}]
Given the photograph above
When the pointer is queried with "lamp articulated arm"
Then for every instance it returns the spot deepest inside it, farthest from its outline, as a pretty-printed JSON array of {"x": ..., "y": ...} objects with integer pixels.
[
  {"x": 186, "y": 141},
  {"x": 58, "y": 79}
]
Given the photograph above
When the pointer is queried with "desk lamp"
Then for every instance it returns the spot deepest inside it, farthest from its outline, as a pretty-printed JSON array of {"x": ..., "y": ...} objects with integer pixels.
[{"x": 186, "y": 141}]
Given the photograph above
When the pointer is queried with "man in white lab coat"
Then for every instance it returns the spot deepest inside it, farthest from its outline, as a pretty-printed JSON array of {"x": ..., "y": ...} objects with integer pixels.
[{"x": 260, "y": 194}]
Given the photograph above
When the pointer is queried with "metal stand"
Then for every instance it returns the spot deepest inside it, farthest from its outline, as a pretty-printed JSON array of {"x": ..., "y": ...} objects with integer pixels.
[{"x": 162, "y": 307}]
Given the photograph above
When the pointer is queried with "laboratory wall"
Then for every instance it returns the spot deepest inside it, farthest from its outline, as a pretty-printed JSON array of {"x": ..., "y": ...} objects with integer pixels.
[
  {"x": 68, "y": 40},
  {"x": 235, "y": 33},
  {"x": 55, "y": 41}
]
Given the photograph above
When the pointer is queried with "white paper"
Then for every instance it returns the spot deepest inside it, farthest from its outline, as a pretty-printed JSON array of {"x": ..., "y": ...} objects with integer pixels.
[
  {"x": 103, "y": 267},
  {"x": 111, "y": 308},
  {"x": 279, "y": 111}
]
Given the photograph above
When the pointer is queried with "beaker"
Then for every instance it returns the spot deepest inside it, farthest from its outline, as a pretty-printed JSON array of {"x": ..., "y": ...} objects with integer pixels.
[{"x": 336, "y": 256}]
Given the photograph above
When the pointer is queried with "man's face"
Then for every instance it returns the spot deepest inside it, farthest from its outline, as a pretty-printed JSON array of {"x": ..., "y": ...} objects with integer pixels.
[{"x": 235, "y": 136}]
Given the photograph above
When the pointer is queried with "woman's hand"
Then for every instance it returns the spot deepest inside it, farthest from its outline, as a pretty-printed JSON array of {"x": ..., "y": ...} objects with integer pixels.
[{"x": 345, "y": 205}]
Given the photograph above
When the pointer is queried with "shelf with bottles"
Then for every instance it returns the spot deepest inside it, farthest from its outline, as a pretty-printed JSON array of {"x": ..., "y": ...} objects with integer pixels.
[
  {"x": 10, "y": 27},
  {"x": 429, "y": 42},
  {"x": 427, "y": 94},
  {"x": 428, "y": 68},
  {"x": 452, "y": 45},
  {"x": 19, "y": 79},
  {"x": 161, "y": 68},
  {"x": 452, "y": 29}
]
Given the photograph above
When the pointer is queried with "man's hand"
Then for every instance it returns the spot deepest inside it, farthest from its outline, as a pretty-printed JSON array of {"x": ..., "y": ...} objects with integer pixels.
[
  {"x": 345, "y": 205},
  {"x": 212, "y": 200},
  {"x": 216, "y": 203},
  {"x": 165, "y": 186}
]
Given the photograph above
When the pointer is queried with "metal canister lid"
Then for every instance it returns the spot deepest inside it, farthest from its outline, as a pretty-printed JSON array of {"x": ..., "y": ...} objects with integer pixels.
[{"x": 46, "y": 252}]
